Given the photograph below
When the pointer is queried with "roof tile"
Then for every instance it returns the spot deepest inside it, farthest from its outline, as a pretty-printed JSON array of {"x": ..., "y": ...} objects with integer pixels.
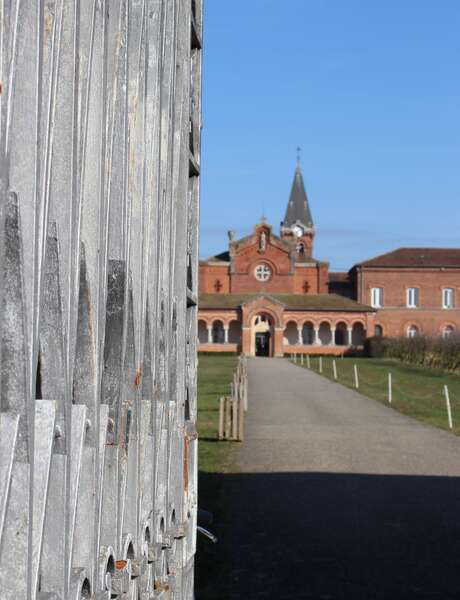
[
  {"x": 316, "y": 302},
  {"x": 416, "y": 257}
]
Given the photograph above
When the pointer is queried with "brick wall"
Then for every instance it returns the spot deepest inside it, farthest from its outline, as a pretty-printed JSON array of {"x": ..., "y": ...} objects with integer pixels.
[
  {"x": 430, "y": 317},
  {"x": 209, "y": 274},
  {"x": 248, "y": 255}
]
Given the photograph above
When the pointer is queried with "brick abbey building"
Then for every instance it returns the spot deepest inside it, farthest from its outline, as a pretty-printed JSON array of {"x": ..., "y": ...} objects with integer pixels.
[{"x": 267, "y": 295}]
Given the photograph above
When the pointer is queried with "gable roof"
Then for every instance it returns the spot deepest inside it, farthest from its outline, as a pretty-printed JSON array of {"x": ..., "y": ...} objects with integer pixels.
[
  {"x": 416, "y": 257},
  {"x": 316, "y": 302},
  {"x": 339, "y": 277},
  {"x": 298, "y": 209},
  {"x": 222, "y": 257}
]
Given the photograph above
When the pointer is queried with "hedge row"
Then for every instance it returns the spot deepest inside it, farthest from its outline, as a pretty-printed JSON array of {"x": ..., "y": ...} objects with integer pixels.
[{"x": 435, "y": 353}]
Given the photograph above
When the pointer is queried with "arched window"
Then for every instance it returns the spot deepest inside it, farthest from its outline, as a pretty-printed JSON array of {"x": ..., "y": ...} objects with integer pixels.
[
  {"x": 218, "y": 285},
  {"x": 378, "y": 331},
  {"x": 325, "y": 334},
  {"x": 448, "y": 332},
  {"x": 308, "y": 333},
  {"x": 412, "y": 331},
  {"x": 234, "y": 332},
  {"x": 218, "y": 334},
  {"x": 291, "y": 334},
  {"x": 202, "y": 332},
  {"x": 341, "y": 334},
  {"x": 301, "y": 248}
]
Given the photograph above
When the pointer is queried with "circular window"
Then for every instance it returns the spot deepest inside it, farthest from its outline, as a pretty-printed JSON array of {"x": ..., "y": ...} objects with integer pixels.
[{"x": 262, "y": 272}]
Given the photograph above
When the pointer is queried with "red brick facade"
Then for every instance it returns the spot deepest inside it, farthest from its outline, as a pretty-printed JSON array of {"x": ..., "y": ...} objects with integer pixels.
[
  {"x": 291, "y": 273},
  {"x": 431, "y": 315},
  {"x": 268, "y": 295}
]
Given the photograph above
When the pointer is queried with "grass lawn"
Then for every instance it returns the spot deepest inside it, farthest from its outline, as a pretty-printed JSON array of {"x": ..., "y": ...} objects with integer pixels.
[
  {"x": 417, "y": 391},
  {"x": 215, "y": 373}
]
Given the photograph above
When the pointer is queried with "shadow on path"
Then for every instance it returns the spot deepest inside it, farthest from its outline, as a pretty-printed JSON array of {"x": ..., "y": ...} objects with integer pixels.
[{"x": 333, "y": 536}]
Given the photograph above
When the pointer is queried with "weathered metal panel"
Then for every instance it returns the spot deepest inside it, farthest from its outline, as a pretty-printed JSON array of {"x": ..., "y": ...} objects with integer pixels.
[{"x": 100, "y": 121}]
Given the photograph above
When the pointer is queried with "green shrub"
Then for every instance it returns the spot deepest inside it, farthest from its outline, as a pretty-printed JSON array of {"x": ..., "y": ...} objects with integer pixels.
[
  {"x": 434, "y": 353},
  {"x": 374, "y": 347}
]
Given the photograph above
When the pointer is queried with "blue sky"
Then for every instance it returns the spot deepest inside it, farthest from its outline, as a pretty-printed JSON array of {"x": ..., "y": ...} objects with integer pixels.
[{"x": 371, "y": 92}]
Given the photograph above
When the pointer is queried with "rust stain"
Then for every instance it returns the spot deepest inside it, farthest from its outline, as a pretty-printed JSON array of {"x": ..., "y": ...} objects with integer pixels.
[
  {"x": 49, "y": 21},
  {"x": 161, "y": 587},
  {"x": 138, "y": 378},
  {"x": 121, "y": 564}
]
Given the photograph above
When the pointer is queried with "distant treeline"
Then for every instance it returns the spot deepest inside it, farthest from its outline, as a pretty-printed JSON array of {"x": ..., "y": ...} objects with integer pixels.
[{"x": 435, "y": 353}]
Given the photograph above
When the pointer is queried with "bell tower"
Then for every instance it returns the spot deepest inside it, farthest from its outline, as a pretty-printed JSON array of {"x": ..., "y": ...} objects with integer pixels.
[{"x": 297, "y": 227}]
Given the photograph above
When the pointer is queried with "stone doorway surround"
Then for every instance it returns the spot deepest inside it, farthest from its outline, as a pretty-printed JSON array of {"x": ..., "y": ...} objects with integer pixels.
[
  {"x": 262, "y": 326},
  {"x": 262, "y": 314}
]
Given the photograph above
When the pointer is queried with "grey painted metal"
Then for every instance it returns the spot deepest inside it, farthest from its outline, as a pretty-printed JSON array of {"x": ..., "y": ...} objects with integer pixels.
[{"x": 100, "y": 122}]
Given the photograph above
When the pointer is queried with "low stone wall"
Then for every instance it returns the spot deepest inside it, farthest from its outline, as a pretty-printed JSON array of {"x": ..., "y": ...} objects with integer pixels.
[
  {"x": 322, "y": 350},
  {"x": 218, "y": 348}
]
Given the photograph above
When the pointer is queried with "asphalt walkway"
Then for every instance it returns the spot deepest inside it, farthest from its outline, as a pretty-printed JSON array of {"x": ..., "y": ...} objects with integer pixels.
[{"x": 340, "y": 497}]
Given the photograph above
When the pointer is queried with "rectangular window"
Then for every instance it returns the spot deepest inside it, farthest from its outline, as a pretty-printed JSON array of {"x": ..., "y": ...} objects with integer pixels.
[
  {"x": 448, "y": 298},
  {"x": 377, "y": 297},
  {"x": 413, "y": 297}
]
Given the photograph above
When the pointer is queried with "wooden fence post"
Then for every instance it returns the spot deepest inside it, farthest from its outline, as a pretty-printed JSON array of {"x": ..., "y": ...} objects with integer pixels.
[
  {"x": 240, "y": 419},
  {"x": 334, "y": 369},
  {"x": 234, "y": 418},
  {"x": 245, "y": 394},
  {"x": 390, "y": 388},
  {"x": 233, "y": 407},
  {"x": 449, "y": 410},
  {"x": 228, "y": 418},
  {"x": 320, "y": 364},
  {"x": 221, "y": 417},
  {"x": 356, "y": 376}
]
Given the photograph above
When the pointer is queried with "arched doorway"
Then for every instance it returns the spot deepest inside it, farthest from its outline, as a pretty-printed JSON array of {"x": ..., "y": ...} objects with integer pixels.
[{"x": 262, "y": 335}]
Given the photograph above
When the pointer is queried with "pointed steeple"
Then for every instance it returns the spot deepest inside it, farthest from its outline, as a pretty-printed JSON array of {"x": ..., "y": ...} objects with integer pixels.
[{"x": 298, "y": 209}]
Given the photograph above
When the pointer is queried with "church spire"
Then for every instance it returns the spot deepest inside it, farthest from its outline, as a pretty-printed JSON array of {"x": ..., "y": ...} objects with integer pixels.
[{"x": 298, "y": 210}]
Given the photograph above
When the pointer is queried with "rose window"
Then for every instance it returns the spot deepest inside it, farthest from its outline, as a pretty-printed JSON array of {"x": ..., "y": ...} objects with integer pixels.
[{"x": 262, "y": 272}]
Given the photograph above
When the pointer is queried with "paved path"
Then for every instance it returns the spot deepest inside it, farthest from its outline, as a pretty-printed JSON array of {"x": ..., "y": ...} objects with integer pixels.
[{"x": 340, "y": 496}]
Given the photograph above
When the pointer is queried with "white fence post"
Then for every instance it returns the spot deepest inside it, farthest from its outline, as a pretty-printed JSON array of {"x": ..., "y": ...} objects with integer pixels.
[
  {"x": 295, "y": 358},
  {"x": 320, "y": 364},
  {"x": 449, "y": 411},
  {"x": 301, "y": 359},
  {"x": 308, "y": 360},
  {"x": 356, "y": 377},
  {"x": 334, "y": 368},
  {"x": 390, "y": 388}
]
